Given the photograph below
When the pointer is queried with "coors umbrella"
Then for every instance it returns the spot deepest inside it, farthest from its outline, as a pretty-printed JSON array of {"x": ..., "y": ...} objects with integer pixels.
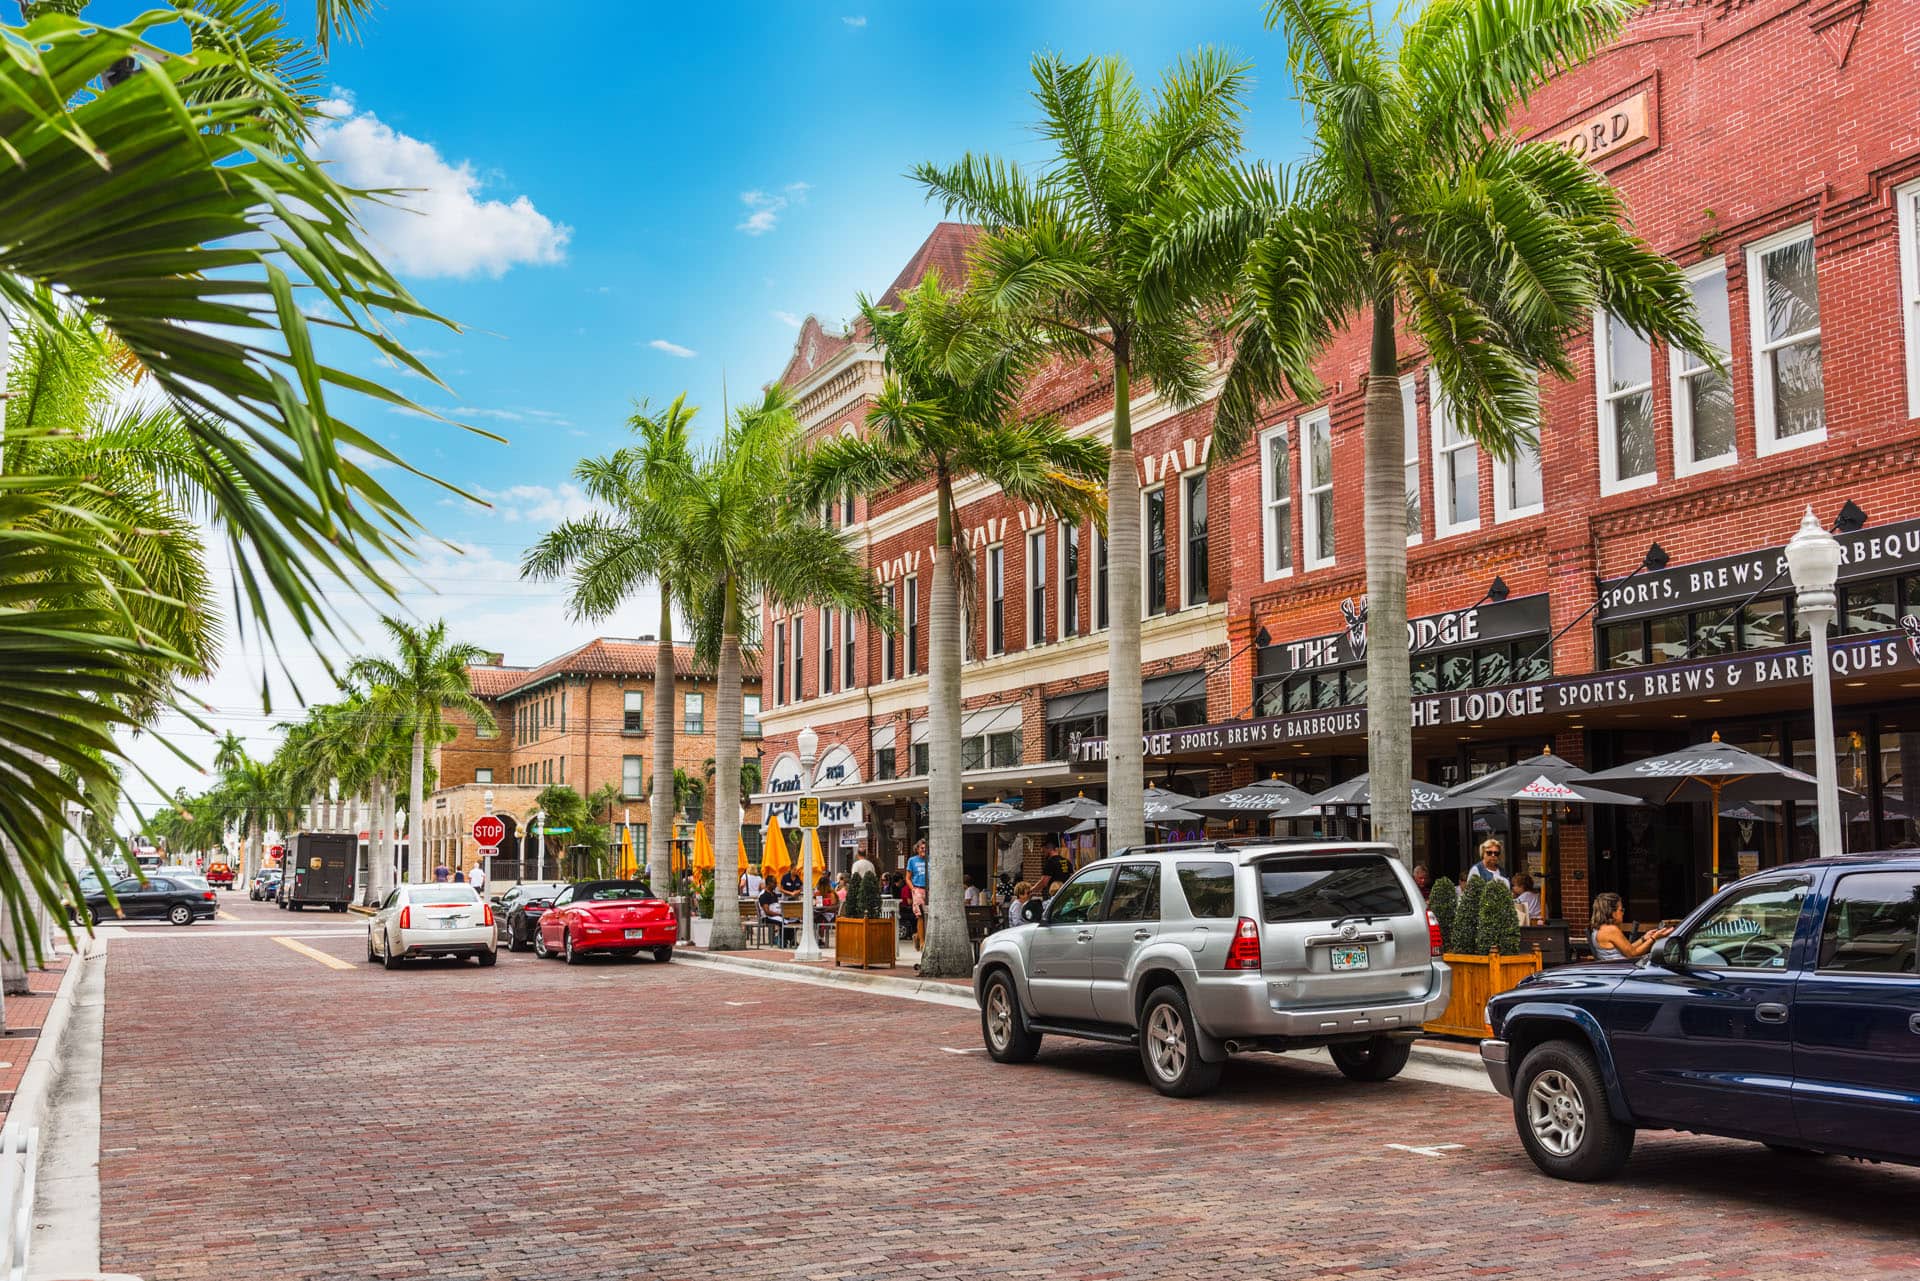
[
  {"x": 1262, "y": 798},
  {"x": 1709, "y": 773}
]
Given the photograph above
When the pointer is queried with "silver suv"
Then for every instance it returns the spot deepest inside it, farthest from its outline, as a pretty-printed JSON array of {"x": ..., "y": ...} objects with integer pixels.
[{"x": 1193, "y": 952}]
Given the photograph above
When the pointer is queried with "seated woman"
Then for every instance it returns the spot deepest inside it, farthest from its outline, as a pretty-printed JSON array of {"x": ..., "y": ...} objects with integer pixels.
[
  {"x": 1526, "y": 898},
  {"x": 1609, "y": 935},
  {"x": 1018, "y": 901},
  {"x": 771, "y": 917}
]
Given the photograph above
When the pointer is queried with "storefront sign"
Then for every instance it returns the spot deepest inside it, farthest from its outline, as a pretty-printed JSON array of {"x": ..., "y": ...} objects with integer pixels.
[
  {"x": 1888, "y": 652},
  {"x": 1865, "y": 553},
  {"x": 1604, "y": 132},
  {"x": 836, "y": 768},
  {"x": 1499, "y": 620}
]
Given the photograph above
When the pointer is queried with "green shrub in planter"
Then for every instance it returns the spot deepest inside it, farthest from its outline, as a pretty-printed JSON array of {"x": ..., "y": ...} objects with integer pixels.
[
  {"x": 1499, "y": 921},
  {"x": 1444, "y": 903},
  {"x": 706, "y": 897},
  {"x": 1466, "y": 918}
]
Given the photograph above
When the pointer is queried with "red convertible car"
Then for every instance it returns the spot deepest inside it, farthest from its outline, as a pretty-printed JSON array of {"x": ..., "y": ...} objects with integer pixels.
[{"x": 617, "y": 917}]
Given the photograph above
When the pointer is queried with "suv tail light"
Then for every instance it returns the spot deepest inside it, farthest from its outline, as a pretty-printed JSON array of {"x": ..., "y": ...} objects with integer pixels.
[
  {"x": 1433, "y": 934},
  {"x": 486, "y": 911},
  {"x": 1244, "y": 953},
  {"x": 406, "y": 918}
]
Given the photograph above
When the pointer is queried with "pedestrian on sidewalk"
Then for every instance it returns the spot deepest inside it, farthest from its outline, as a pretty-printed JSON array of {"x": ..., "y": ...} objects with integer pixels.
[
  {"x": 440, "y": 873},
  {"x": 917, "y": 878},
  {"x": 477, "y": 877},
  {"x": 863, "y": 866}
]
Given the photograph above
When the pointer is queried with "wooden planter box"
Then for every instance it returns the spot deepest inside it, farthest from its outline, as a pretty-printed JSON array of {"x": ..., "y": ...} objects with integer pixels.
[
  {"x": 868, "y": 944},
  {"x": 1476, "y": 979}
]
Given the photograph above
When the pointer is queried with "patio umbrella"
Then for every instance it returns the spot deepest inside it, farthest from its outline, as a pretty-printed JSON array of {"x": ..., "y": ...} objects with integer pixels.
[
  {"x": 1358, "y": 794},
  {"x": 626, "y": 854},
  {"x": 1168, "y": 809},
  {"x": 992, "y": 814},
  {"x": 1545, "y": 778},
  {"x": 774, "y": 858},
  {"x": 1059, "y": 816},
  {"x": 702, "y": 848},
  {"x": 1262, "y": 798},
  {"x": 1712, "y": 772}
]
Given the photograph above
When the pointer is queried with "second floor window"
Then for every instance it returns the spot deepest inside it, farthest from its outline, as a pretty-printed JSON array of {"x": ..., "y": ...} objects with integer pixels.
[
  {"x": 483, "y": 776},
  {"x": 1193, "y": 538},
  {"x": 779, "y": 662},
  {"x": 1317, "y": 483},
  {"x": 846, "y": 649},
  {"x": 996, "y": 600},
  {"x": 1153, "y": 541},
  {"x": 1069, "y": 581},
  {"x": 1624, "y": 371},
  {"x": 1101, "y": 583},
  {"x": 1410, "y": 420},
  {"x": 799, "y": 659},
  {"x": 1456, "y": 470},
  {"x": 827, "y": 668},
  {"x": 913, "y": 623},
  {"x": 1703, "y": 397},
  {"x": 889, "y": 644},
  {"x": 1037, "y": 588},
  {"x": 633, "y": 713},
  {"x": 750, "y": 715},
  {"x": 1790, "y": 406},
  {"x": 1276, "y": 502},
  {"x": 696, "y": 713},
  {"x": 884, "y": 766},
  {"x": 631, "y": 777}
]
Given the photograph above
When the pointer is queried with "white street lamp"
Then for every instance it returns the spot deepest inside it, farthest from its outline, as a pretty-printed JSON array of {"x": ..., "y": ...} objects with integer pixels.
[
  {"x": 540, "y": 829},
  {"x": 808, "y": 744},
  {"x": 1813, "y": 559}
]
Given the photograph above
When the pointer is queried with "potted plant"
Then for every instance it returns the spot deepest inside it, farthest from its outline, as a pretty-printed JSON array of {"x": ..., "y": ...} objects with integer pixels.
[
  {"x": 1482, "y": 947},
  {"x": 861, "y": 935}
]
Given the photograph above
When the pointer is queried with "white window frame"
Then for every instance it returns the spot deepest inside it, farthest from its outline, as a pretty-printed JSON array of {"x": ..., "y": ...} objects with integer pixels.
[
  {"x": 911, "y": 594},
  {"x": 828, "y": 670},
  {"x": 1604, "y": 398},
  {"x": 1187, "y": 576},
  {"x": 1410, "y": 416},
  {"x": 1277, "y": 492},
  {"x": 779, "y": 661},
  {"x": 797, "y": 655},
  {"x": 1066, "y": 601},
  {"x": 1764, "y": 424},
  {"x": 1439, "y": 413},
  {"x": 1100, "y": 595},
  {"x": 750, "y": 716},
  {"x": 687, "y": 704},
  {"x": 1680, "y": 368},
  {"x": 1309, "y": 510},
  {"x": 1906, "y": 203},
  {"x": 996, "y": 586},
  {"x": 1036, "y": 578},
  {"x": 1503, "y": 478},
  {"x": 891, "y": 642},
  {"x": 1146, "y": 552},
  {"x": 639, "y": 775},
  {"x": 849, "y": 669}
]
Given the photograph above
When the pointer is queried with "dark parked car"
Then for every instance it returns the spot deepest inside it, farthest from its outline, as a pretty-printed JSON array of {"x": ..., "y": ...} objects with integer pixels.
[
  {"x": 265, "y": 886},
  {"x": 156, "y": 899},
  {"x": 1785, "y": 1010},
  {"x": 516, "y": 914}
]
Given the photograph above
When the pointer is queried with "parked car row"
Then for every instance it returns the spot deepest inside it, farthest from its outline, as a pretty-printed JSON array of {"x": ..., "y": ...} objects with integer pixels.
[
  {"x": 178, "y": 899},
  {"x": 572, "y": 921}
]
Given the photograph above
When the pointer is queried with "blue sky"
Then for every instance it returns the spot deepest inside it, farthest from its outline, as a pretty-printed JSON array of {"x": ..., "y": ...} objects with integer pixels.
[{"x": 631, "y": 200}]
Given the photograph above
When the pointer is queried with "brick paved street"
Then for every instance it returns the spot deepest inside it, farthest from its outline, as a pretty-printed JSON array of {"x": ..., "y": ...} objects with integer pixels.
[{"x": 267, "y": 1116}]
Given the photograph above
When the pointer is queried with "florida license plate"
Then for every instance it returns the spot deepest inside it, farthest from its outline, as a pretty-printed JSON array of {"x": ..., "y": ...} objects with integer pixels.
[
  {"x": 1349, "y": 958},
  {"x": 451, "y": 922},
  {"x": 636, "y": 934}
]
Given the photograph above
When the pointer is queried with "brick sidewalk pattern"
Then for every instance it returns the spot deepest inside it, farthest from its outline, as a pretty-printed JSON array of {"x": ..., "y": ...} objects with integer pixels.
[{"x": 266, "y": 1117}]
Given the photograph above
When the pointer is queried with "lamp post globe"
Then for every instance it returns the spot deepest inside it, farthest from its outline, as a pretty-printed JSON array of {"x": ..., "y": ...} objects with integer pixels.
[
  {"x": 808, "y": 744},
  {"x": 1813, "y": 562}
]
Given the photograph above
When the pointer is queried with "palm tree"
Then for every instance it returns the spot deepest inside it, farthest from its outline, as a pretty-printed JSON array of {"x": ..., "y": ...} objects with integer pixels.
[
  {"x": 1417, "y": 206},
  {"x": 254, "y": 795},
  {"x": 755, "y": 543},
  {"x": 950, "y": 410},
  {"x": 1066, "y": 255},
  {"x": 413, "y": 691},
  {"x": 638, "y": 539}
]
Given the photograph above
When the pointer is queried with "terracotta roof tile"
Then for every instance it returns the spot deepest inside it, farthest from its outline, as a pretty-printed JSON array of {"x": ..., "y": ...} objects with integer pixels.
[{"x": 603, "y": 656}]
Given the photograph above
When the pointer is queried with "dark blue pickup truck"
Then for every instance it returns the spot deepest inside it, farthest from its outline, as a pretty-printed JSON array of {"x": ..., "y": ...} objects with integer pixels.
[{"x": 1785, "y": 1010}]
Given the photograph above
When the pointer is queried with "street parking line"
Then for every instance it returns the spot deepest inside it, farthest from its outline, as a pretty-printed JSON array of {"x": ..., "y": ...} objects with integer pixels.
[{"x": 314, "y": 952}]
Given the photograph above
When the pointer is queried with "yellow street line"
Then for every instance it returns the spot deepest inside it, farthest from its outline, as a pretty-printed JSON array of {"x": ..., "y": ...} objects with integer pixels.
[
  {"x": 314, "y": 952},
  {"x": 224, "y": 915}
]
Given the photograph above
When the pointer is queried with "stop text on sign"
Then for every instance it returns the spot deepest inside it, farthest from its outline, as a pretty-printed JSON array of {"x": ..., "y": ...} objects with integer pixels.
[{"x": 488, "y": 831}]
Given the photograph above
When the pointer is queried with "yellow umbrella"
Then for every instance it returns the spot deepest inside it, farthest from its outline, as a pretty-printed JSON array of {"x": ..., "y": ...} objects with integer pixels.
[
  {"x": 773, "y": 851},
  {"x": 626, "y": 854},
  {"x": 702, "y": 848}
]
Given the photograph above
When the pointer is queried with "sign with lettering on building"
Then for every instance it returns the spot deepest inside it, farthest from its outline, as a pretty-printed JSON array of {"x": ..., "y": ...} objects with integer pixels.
[
  {"x": 1484, "y": 623},
  {"x": 836, "y": 768},
  {"x": 1607, "y": 131}
]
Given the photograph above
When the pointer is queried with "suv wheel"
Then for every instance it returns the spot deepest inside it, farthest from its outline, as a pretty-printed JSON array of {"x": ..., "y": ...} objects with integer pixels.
[
  {"x": 1008, "y": 1039},
  {"x": 1378, "y": 1059},
  {"x": 1169, "y": 1049},
  {"x": 1566, "y": 1124}
]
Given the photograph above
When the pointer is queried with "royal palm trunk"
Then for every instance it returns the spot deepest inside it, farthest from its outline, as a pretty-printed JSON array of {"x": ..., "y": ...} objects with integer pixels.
[
  {"x": 726, "y": 777},
  {"x": 1389, "y": 705},
  {"x": 660, "y": 798},
  {"x": 1126, "y": 819},
  {"x": 947, "y": 953},
  {"x": 416, "y": 802}
]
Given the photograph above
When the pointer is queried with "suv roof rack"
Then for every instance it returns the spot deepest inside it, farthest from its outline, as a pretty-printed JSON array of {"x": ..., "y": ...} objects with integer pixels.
[{"x": 1226, "y": 845}]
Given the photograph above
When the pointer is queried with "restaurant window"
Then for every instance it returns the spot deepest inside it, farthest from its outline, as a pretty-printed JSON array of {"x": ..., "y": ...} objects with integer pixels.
[
  {"x": 1703, "y": 429},
  {"x": 1276, "y": 501},
  {"x": 828, "y": 627},
  {"x": 1101, "y": 583},
  {"x": 1410, "y": 424},
  {"x": 633, "y": 711},
  {"x": 1153, "y": 543},
  {"x": 1062, "y": 734},
  {"x": 750, "y": 715},
  {"x": 973, "y": 752},
  {"x": 799, "y": 659},
  {"x": 1193, "y": 524},
  {"x": 1037, "y": 587},
  {"x": 630, "y": 777},
  {"x": 918, "y": 756},
  {"x": 846, "y": 649},
  {"x": 1456, "y": 469},
  {"x": 1869, "y": 607},
  {"x": 1907, "y": 205},
  {"x": 889, "y": 643},
  {"x": 1317, "y": 489},
  {"x": 1623, "y": 374},
  {"x": 883, "y": 763},
  {"x": 1783, "y": 297},
  {"x": 483, "y": 776},
  {"x": 913, "y": 623},
  {"x": 696, "y": 713},
  {"x": 996, "y": 599},
  {"x": 1069, "y": 581},
  {"x": 1171, "y": 702},
  {"x": 1003, "y": 749},
  {"x": 1764, "y": 624},
  {"x": 779, "y": 663}
]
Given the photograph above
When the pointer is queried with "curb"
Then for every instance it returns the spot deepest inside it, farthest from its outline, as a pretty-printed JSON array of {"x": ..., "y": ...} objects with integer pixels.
[
  {"x": 30, "y": 1101},
  {"x": 930, "y": 990}
]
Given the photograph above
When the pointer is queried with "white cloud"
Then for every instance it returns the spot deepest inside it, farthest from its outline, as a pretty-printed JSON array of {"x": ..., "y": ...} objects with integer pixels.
[
  {"x": 673, "y": 349},
  {"x": 788, "y": 318},
  {"x": 767, "y": 206},
  {"x": 860, "y": 21},
  {"x": 538, "y": 504},
  {"x": 441, "y": 225}
]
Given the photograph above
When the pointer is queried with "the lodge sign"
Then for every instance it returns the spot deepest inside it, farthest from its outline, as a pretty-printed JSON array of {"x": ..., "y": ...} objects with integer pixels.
[
  {"x": 1501, "y": 620},
  {"x": 1478, "y": 708},
  {"x": 1865, "y": 553}
]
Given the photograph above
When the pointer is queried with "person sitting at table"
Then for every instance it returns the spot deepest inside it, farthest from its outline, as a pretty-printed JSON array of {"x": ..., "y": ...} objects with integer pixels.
[
  {"x": 1488, "y": 868},
  {"x": 1526, "y": 898},
  {"x": 1036, "y": 905},
  {"x": 1609, "y": 936},
  {"x": 771, "y": 917},
  {"x": 749, "y": 884},
  {"x": 969, "y": 892},
  {"x": 839, "y": 894},
  {"x": 1018, "y": 901},
  {"x": 790, "y": 883}
]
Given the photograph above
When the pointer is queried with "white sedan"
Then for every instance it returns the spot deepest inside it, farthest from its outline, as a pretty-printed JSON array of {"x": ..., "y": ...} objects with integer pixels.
[{"x": 432, "y": 920}]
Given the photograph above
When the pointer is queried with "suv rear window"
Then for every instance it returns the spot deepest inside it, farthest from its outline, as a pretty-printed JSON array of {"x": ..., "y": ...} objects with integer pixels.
[
  {"x": 1327, "y": 887},
  {"x": 1208, "y": 887}
]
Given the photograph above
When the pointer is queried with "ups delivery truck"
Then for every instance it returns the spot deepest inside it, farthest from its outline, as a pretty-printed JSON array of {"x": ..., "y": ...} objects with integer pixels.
[{"x": 318, "y": 869}]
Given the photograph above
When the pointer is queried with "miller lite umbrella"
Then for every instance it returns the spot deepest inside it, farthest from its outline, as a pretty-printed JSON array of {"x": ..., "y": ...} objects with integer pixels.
[
  {"x": 1357, "y": 793},
  {"x": 1059, "y": 816},
  {"x": 1711, "y": 773},
  {"x": 1263, "y": 798},
  {"x": 1168, "y": 809},
  {"x": 990, "y": 815}
]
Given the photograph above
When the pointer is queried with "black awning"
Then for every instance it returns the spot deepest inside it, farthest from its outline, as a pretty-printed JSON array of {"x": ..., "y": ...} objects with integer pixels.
[
  {"x": 1074, "y": 707},
  {"x": 1175, "y": 688}
]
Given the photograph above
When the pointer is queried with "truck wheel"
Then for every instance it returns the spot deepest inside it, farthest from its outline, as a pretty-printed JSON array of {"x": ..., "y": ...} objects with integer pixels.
[
  {"x": 1566, "y": 1124},
  {"x": 1378, "y": 1059},
  {"x": 1169, "y": 1049},
  {"x": 1008, "y": 1039},
  {"x": 336, "y": 907}
]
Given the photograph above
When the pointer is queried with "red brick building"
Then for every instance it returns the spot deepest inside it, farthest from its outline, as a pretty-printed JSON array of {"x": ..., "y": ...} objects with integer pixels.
[{"x": 1619, "y": 593}]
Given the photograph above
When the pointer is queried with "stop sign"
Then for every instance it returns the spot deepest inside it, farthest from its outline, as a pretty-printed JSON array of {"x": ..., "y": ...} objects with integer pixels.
[{"x": 489, "y": 831}]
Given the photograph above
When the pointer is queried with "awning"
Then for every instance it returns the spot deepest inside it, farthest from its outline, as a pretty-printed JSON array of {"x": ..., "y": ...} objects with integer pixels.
[
  {"x": 1074, "y": 707},
  {"x": 1172, "y": 689}
]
